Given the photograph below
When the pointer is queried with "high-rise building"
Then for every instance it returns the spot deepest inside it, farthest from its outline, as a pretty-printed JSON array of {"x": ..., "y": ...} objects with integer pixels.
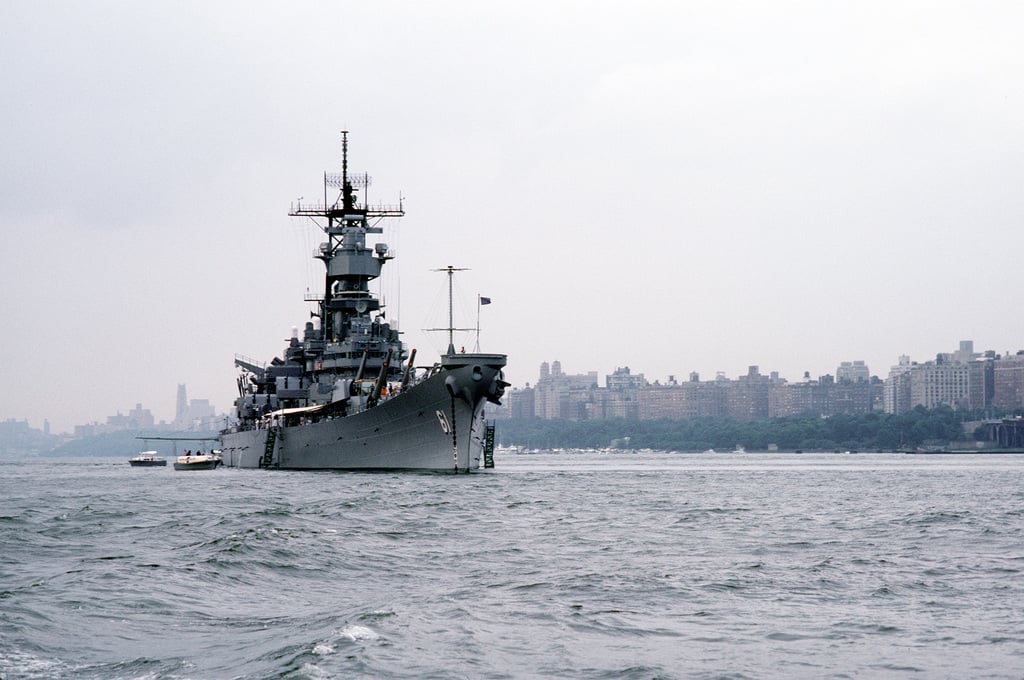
[
  {"x": 896, "y": 394},
  {"x": 181, "y": 416},
  {"x": 946, "y": 380},
  {"x": 521, "y": 402},
  {"x": 559, "y": 395},
  {"x": 933, "y": 384},
  {"x": 853, "y": 371},
  {"x": 1008, "y": 382},
  {"x": 748, "y": 396},
  {"x": 982, "y": 381}
]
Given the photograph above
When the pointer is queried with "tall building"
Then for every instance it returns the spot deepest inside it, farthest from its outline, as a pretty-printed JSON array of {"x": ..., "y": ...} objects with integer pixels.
[
  {"x": 853, "y": 371},
  {"x": 619, "y": 399},
  {"x": 522, "y": 402},
  {"x": 946, "y": 380},
  {"x": 559, "y": 395},
  {"x": 936, "y": 383},
  {"x": 747, "y": 397},
  {"x": 137, "y": 418},
  {"x": 982, "y": 381},
  {"x": 963, "y": 379},
  {"x": 896, "y": 394},
  {"x": 181, "y": 418},
  {"x": 802, "y": 398},
  {"x": 659, "y": 402},
  {"x": 1008, "y": 381},
  {"x": 966, "y": 352}
]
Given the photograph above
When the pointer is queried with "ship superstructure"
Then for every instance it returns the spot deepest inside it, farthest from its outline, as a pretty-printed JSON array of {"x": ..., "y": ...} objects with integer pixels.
[{"x": 345, "y": 394}]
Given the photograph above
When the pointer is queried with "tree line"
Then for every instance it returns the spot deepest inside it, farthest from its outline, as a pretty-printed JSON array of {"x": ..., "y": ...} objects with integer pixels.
[{"x": 864, "y": 432}]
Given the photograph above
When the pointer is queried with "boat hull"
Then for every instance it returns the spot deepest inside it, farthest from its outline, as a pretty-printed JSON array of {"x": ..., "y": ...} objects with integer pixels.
[
  {"x": 200, "y": 465},
  {"x": 437, "y": 425},
  {"x": 147, "y": 463}
]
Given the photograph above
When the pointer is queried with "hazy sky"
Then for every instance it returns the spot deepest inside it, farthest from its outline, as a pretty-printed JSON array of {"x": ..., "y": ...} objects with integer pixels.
[{"x": 672, "y": 186}]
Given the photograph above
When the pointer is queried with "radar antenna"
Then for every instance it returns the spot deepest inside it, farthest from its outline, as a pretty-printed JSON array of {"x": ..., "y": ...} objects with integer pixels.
[{"x": 451, "y": 321}]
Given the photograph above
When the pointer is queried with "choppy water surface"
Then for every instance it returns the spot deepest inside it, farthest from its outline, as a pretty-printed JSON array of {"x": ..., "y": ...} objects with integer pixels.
[{"x": 552, "y": 565}]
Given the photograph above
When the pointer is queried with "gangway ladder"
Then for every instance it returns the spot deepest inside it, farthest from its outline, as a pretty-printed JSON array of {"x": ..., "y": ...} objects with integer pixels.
[
  {"x": 268, "y": 452},
  {"x": 489, "y": 446}
]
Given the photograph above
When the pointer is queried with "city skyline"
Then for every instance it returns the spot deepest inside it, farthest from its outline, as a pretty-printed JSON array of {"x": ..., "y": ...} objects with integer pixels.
[
  {"x": 858, "y": 366},
  {"x": 855, "y": 366},
  {"x": 675, "y": 186},
  {"x": 194, "y": 413},
  {"x": 965, "y": 380}
]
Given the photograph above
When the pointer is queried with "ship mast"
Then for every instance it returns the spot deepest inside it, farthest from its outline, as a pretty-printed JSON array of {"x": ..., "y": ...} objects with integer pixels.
[
  {"x": 347, "y": 222},
  {"x": 451, "y": 318}
]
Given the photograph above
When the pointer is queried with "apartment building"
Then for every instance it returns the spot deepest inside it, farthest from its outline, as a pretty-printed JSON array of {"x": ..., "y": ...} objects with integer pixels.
[{"x": 961, "y": 379}]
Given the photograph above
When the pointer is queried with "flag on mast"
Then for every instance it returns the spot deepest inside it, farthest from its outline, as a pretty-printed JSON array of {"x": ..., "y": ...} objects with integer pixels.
[{"x": 485, "y": 300}]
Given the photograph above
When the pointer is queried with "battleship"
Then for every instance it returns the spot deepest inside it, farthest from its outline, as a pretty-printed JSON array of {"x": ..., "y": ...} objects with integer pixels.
[{"x": 346, "y": 395}]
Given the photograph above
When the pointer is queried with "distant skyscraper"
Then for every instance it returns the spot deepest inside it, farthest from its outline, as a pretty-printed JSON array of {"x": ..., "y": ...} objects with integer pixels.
[{"x": 181, "y": 412}]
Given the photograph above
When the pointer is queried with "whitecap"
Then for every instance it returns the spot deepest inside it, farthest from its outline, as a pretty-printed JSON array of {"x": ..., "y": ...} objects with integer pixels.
[
  {"x": 17, "y": 661},
  {"x": 356, "y": 632},
  {"x": 314, "y": 671}
]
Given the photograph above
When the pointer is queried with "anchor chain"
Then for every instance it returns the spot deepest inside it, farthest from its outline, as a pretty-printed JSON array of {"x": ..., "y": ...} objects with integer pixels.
[{"x": 455, "y": 441}]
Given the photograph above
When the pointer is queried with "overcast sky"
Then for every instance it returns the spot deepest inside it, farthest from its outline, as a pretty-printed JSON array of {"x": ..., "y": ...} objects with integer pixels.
[{"x": 669, "y": 186}]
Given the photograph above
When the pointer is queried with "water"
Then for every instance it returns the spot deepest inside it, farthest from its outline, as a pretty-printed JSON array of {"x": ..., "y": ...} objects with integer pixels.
[{"x": 553, "y": 565}]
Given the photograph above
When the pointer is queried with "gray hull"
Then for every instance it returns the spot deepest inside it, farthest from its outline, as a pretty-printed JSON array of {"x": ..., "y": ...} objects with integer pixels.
[{"x": 436, "y": 425}]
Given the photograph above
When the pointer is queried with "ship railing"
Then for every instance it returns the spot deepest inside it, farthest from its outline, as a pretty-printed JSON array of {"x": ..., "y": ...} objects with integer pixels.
[
  {"x": 321, "y": 209},
  {"x": 383, "y": 210},
  {"x": 249, "y": 363},
  {"x": 353, "y": 294}
]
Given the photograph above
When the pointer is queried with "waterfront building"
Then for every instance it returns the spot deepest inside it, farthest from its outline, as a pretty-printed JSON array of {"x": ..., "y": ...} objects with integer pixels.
[
  {"x": 857, "y": 398},
  {"x": 521, "y": 402},
  {"x": 1008, "y": 382},
  {"x": 962, "y": 379},
  {"x": 824, "y": 397},
  {"x": 940, "y": 382},
  {"x": 982, "y": 381},
  {"x": 621, "y": 379},
  {"x": 682, "y": 401},
  {"x": 619, "y": 399},
  {"x": 747, "y": 397},
  {"x": 559, "y": 395},
  {"x": 801, "y": 398},
  {"x": 664, "y": 402},
  {"x": 613, "y": 404},
  {"x": 896, "y": 395},
  {"x": 853, "y": 371}
]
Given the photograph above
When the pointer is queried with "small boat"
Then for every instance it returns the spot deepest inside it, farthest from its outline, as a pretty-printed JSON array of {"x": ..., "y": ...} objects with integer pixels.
[
  {"x": 198, "y": 461},
  {"x": 147, "y": 459}
]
